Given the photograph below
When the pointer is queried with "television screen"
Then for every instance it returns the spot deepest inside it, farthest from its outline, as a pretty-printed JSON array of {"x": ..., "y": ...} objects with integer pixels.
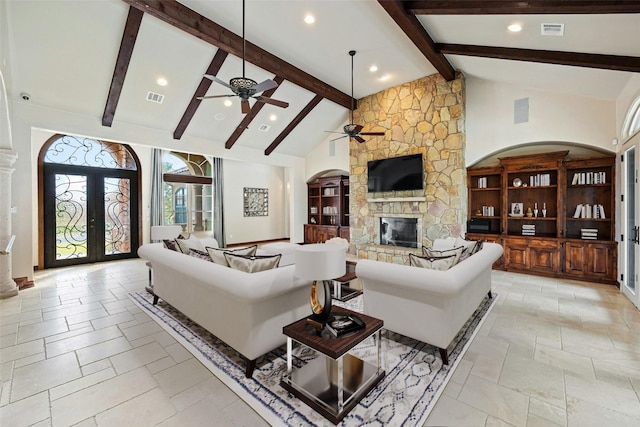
[{"x": 395, "y": 174}]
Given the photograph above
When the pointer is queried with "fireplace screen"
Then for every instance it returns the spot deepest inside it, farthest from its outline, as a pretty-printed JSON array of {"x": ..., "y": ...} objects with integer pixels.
[{"x": 399, "y": 232}]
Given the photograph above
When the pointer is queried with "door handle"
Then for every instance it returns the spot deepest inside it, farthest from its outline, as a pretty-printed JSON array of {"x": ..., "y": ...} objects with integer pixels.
[{"x": 636, "y": 235}]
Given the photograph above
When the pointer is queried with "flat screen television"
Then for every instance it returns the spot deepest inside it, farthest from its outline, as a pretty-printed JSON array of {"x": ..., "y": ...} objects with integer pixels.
[{"x": 395, "y": 174}]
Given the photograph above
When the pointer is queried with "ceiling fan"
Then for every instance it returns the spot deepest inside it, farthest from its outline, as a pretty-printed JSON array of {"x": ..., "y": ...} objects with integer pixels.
[
  {"x": 353, "y": 130},
  {"x": 244, "y": 87}
]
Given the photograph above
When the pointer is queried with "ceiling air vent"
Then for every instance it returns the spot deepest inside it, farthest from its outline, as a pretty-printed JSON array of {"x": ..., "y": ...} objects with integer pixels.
[
  {"x": 552, "y": 29},
  {"x": 155, "y": 97},
  {"x": 264, "y": 128}
]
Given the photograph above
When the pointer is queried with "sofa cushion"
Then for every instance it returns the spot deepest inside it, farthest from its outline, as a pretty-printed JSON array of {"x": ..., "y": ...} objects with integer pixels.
[
  {"x": 457, "y": 252},
  {"x": 252, "y": 264},
  {"x": 200, "y": 254},
  {"x": 433, "y": 262},
  {"x": 217, "y": 254}
]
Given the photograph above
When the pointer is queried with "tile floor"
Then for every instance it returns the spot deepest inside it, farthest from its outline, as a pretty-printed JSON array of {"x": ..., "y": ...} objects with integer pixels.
[{"x": 75, "y": 351}]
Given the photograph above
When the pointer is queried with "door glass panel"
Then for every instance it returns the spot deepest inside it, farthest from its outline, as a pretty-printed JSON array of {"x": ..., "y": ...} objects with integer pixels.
[
  {"x": 117, "y": 221},
  {"x": 630, "y": 203},
  {"x": 71, "y": 219}
]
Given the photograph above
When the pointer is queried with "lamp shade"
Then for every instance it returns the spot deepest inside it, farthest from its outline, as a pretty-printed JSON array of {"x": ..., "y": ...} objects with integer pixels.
[
  {"x": 162, "y": 232},
  {"x": 320, "y": 261}
]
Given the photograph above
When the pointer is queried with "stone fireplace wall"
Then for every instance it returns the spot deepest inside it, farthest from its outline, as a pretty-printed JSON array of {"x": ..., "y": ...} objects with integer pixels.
[{"x": 423, "y": 116}]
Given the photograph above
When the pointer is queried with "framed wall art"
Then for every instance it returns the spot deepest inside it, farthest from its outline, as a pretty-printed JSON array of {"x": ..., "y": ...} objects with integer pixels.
[{"x": 256, "y": 201}]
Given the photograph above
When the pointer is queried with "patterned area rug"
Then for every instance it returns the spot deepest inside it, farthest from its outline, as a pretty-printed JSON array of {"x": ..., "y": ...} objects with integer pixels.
[{"x": 415, "y": 376}]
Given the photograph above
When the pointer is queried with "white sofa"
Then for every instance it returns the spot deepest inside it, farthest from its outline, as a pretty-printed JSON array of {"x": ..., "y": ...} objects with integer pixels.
[
  {"x": 245, "y": 310},
  {"x": 428, "y": 305}
]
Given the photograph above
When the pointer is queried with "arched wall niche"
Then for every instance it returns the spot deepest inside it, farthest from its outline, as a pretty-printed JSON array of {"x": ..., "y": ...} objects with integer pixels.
[
  {"x": 576, "y": 151},
  {"x": 327, "y": 172}
]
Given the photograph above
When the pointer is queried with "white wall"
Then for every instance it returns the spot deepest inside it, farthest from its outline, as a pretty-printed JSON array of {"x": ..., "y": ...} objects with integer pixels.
[
  {"x": 320, "y": 159},
  {"x": 31, "y": 126},
  {"x": 552, "y": 117},
  {"x": 238, "y": 228},
  {"x": 630, "y": 93}
]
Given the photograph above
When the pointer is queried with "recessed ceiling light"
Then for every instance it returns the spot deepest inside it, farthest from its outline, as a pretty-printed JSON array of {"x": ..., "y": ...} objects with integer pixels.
[
  {"x": 373, "y": 68},
  {"x": 514, "y": 28},
  {"x": 309, "y": 19},
  {"x": 162, "y": 81},
  {"x": 273, "y": 117},
  {"x": 384, "y": 77},
  {"x": 228, "y": 103}
]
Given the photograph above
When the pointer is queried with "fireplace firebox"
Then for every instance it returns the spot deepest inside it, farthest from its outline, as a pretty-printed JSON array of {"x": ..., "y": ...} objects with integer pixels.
[{"x": 396, "y": 231}]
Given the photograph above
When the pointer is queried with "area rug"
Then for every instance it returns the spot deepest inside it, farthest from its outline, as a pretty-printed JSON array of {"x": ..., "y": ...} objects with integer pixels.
[{"x": 415, "y": 376}]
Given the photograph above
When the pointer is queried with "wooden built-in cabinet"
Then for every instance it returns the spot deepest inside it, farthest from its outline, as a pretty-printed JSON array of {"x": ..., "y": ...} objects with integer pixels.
[
  {"x": 554, "y": 216},
  {"x": 328, "y": 209}
]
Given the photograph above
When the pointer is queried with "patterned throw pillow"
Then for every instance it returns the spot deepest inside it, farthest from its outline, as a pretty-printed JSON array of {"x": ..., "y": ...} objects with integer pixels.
[
  {"x": 217, "y": 254},
  {"x": 199, "y": 254},
  {"x": 432, "y": 263},
  {"x": 252, "y": 264},
  {"x": 457, "y": 252},
  {"x": 472, "y": 246},
  {"x": 191, "y": 243},
  {"x": 184, "y": 235},
  {"x": 171, "y": 244}
]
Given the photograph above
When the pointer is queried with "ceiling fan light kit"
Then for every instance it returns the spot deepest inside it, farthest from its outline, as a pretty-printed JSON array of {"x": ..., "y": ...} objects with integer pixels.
[
  {"x": 244, "y": 87},
  {"x": 353, "y": 130}
]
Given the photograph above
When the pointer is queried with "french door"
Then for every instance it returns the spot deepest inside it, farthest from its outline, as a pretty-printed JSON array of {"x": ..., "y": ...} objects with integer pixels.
[
  {"x": 90, "y": 214},
  {"x": 631, "y": 220}
]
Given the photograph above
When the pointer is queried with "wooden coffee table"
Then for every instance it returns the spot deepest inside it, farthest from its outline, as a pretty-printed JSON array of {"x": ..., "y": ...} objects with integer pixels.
[{"x": 332, "y": 385}]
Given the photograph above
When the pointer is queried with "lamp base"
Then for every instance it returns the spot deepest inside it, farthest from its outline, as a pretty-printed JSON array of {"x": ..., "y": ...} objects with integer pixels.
[{"x": 321, "y": 311}]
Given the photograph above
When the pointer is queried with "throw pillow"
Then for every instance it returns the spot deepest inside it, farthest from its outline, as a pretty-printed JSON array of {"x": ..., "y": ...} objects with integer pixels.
[
  {"x": 184, "y": 235},
  {"x": 199, "y": 254},
  {"x": 171, "y": 244},
  {"x": 473, "y": 246},
  {"x": 252, "y": 264},
  {"x": 457, "y": 252},
  {"x": 433, "y": 263},
  {"x": 190, "y": 243},
  {"x": 217, "y": 254}
]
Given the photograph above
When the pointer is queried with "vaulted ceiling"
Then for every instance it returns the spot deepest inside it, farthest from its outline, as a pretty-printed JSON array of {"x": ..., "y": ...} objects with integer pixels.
[{"x": 100, "y": 59}]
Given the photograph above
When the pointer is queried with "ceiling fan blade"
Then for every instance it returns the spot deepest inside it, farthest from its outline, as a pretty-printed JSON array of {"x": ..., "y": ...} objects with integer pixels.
[
  {"x": 245, "y": 106},
  {"x": 271, "y": 101},
  {"x": 217, "y": 80},
  {"x": 330, "y": 131},
  {"x": 215, "y": 96},
  {"x": 265, "y": 85},
  {"x": 372, "y": 133},
  {"x": 357, "y": 128},
  {"x": 340, "y": 137},
  {"x": 357, "y": 138}
]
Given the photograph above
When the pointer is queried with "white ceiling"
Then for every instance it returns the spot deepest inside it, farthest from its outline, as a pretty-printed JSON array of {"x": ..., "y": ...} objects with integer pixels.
[{"x": 63, "y": 54}]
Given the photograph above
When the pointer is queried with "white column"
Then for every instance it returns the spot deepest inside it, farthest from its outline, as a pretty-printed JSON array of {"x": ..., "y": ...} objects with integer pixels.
[{"x": 8, "y": 287}]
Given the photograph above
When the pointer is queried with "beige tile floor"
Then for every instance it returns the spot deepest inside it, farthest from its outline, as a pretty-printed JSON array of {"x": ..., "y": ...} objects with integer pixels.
[{"x": 75, "y": 350}]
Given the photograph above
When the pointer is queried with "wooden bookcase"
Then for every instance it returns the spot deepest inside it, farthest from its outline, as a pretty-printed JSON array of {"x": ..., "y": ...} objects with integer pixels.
[
  {"x": 328, "y": 209},
  {"x": 536, "y": 218}
]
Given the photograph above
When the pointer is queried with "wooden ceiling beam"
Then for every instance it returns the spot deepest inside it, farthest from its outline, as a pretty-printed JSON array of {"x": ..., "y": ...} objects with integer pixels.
[
  {"x": 129, "y": 36},
  {"x": 419, "y": 36},
  {"x": 185, "y": 19},
  {"x": 201, "y": 90},
  {"x": 301, "y": 115},
  {"x": 248, "y": 118},
  {"x": 541, "y": 7},
  {"x": 590, "y": 60}
]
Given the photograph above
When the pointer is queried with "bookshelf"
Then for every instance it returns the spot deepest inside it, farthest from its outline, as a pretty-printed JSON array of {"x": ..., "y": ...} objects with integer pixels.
[{"x": 328, "y": 209}]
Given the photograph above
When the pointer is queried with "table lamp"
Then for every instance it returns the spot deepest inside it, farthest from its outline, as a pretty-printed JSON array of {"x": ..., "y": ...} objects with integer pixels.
[{"x": 321, "y": 263}]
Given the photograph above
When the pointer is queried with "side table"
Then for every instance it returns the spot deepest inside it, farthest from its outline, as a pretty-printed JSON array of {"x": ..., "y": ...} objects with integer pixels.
[{"x": 332, "y": 385}]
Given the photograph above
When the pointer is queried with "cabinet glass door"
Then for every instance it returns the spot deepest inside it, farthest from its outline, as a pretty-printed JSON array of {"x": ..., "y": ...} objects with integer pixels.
[{"x": 631, "y": 221}]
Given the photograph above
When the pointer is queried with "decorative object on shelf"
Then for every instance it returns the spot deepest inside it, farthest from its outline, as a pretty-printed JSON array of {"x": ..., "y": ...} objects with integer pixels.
[
  {"x": 529, "y": 212},
  {"x": 517, "y": 182},
  {"x": 544, "y": 210},
  {"x": 321, "y": 263},
  {"x": 517, "y": 209},
  {"x": 256, "y": 201},
  {"x": 535, "y": 210}
]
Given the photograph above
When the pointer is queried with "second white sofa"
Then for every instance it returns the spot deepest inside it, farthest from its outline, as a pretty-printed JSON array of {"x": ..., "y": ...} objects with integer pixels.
[{"x": 428, "y": 305}]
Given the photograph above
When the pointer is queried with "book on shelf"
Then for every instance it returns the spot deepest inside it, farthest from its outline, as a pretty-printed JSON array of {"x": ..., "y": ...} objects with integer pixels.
[
  {"x": 539, "y": 180},
  {"x": 482, "y": 182},
  {"x": 528, "y": 230},
  {"x": 589, "y": 211},
  {"x": 342, "y": 324},
  {"x": 588, "y": 178}
]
